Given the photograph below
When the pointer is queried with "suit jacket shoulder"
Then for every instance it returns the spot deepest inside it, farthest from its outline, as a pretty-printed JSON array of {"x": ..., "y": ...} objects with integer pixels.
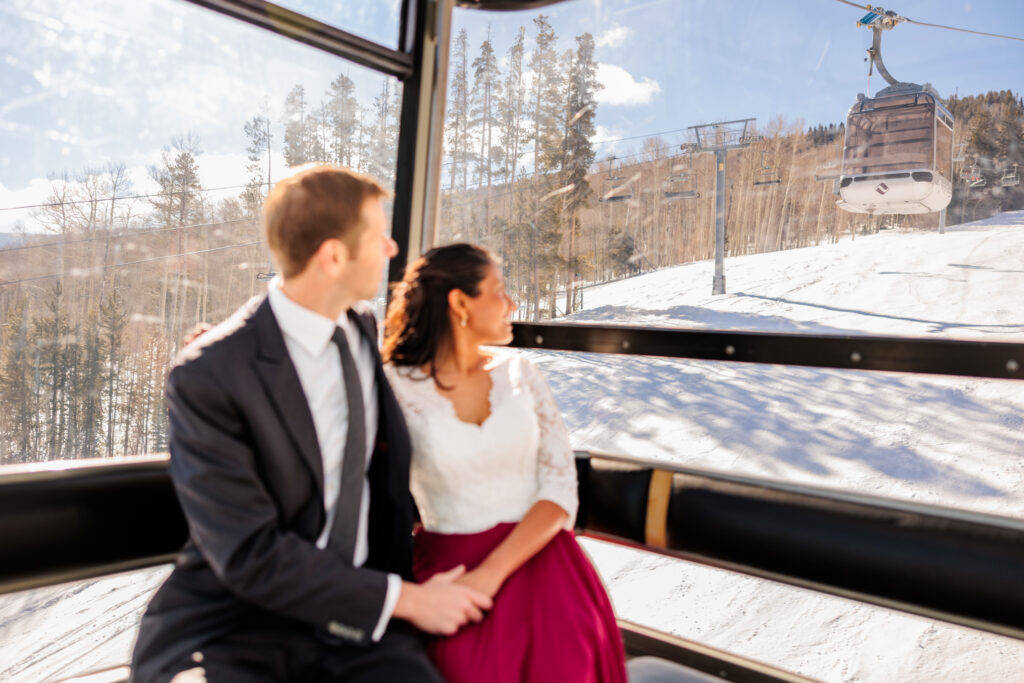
[{"x": 224, "y": 341}]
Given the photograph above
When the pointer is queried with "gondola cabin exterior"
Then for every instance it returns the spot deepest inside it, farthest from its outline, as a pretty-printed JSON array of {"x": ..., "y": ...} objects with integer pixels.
[{"x": 898, "y": 153}]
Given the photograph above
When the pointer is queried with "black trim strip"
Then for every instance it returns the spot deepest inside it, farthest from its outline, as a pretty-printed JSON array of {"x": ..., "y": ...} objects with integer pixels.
[
  {"x": 954, "y": 565},
  {"x": 86, "y": 520},
  {"x": 89, "y": 519},
  {"x": 414, "y": 13},
  {"x": 1003, "y": 360},
  {"x": 303, "y": 29}
]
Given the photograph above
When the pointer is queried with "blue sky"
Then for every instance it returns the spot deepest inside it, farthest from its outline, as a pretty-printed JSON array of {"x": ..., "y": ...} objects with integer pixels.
[
  {"x": 89, "y": 82},
  {"x": 694, "y": 61}
]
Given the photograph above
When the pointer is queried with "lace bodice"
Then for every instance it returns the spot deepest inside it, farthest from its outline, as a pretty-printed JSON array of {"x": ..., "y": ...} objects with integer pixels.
[{"x": 467, "y": 478}]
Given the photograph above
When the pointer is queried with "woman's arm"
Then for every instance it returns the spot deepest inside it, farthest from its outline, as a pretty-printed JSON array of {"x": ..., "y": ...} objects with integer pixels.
[
  {"x": 556, "y": 503},
  {"x": 540, "y": 524}
]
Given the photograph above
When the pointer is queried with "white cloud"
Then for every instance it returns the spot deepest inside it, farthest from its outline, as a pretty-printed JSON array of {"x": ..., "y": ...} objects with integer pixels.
[
  {"x": 621, "y": 89},
  {"x": 36, "y": 192},
  {"x": 606, "y": 141},
  {"x": 613, "y": 37},
  {"x": 603, "y": 134}
]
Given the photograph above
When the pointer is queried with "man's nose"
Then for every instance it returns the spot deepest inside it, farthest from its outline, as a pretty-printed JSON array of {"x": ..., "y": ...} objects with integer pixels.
[{"x": 390, "y": 247}]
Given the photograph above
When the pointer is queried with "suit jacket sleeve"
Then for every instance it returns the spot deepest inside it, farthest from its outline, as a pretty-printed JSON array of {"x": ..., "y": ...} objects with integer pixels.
[{"x": 237, "y": 527}]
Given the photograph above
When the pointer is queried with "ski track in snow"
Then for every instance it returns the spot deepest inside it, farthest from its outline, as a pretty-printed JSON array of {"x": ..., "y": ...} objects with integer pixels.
[{"x": 944, "y": 440}]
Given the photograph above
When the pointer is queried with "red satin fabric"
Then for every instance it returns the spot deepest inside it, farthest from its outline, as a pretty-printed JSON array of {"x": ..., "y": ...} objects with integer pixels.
[{"x": 551, "y": 620}]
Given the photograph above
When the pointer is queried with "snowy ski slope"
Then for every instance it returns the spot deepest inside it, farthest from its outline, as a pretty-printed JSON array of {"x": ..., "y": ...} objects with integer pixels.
[{"x": 943, "y": 440}]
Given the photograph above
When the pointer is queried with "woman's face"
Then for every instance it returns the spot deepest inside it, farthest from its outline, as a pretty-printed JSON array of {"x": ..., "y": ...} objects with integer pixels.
[{"x": 489, "y": 311}]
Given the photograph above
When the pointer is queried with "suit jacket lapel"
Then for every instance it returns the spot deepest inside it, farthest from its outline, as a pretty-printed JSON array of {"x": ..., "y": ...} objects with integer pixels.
[
  {"x": 364, "y": 323},
  {"x": 281, "y": 381}
]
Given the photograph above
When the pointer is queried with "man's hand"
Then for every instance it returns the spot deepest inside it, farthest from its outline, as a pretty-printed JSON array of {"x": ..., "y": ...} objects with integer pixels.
[{"x": 440, "y": 605}]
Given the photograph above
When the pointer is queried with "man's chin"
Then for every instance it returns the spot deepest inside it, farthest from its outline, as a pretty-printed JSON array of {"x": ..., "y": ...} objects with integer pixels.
[{"x": 368, "y": 294}]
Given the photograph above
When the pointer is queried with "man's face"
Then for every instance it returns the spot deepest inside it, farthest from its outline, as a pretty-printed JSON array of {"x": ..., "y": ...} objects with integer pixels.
[{"x": 363, "y": 273}]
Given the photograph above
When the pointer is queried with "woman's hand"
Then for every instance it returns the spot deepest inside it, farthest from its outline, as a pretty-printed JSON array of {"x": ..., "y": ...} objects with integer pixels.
[{"x": 481, "y": 580}]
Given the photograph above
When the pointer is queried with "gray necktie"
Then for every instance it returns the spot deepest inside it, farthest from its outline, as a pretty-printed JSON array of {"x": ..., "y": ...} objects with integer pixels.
[{"x": 346, "y": 519}]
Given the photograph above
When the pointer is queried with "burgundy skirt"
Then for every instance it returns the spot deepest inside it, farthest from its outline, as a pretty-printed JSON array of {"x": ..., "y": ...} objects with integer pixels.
[{"x": 551, "y": 620}]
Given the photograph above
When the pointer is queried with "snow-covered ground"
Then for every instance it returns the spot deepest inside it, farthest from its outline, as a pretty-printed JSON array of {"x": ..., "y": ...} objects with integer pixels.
[{"x": 945, "y": 440}]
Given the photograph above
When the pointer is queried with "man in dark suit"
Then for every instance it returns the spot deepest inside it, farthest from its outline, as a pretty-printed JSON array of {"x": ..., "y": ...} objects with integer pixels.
[{"x": 290, "y": 459}]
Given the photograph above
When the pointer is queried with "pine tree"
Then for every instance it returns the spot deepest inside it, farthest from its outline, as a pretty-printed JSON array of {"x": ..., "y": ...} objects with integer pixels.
[
  {"x": 546, "y": 99},
  {"x": 578, "y": 152},
  {"x": 296, "y": 135},
  {"x": 383, "y": 141},
  {"x": 318, "y": 133},
  {"x": 112, "y": 323},
  {"x": 546, "y": 107},
  {"x": 180, "y": 200},
  {"x": 458, "y": 113},
  {"x": 257, "y": 130},
  {"x": 342, "y": 116},
  {"x": 511, "y": 105},
  {"x": 180, "y": 203},
  {"x": 17, "y": 419},
  {"x": 87, "y": 391},
  {"x": 484, "y": 118}
]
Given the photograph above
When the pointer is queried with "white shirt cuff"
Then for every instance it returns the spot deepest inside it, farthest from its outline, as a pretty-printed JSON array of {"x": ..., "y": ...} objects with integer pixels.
[{"x": 390, "y": 600}]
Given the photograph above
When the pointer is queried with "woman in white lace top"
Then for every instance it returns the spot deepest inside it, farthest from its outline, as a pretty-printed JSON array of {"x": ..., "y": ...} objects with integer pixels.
[{"x": 494, "y": 477}]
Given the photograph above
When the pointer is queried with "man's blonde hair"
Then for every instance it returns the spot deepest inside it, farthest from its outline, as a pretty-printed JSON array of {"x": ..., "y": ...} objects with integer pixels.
[{"x": 314, "y": 205}]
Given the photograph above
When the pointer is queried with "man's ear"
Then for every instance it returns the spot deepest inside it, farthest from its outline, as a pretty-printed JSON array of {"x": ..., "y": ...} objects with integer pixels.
[{"x": 332, "y": 256}]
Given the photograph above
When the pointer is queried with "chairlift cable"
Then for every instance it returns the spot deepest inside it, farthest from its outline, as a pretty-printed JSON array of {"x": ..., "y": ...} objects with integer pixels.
[
  {"x": 100, "y": 269},
  {"x": 131, "y": 232},
  {"x": 101, "y": 200},
  {"x": 869, "y": 8}
]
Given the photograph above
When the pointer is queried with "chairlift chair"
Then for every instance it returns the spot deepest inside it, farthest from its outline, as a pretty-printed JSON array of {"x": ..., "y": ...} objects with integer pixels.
[
  {"x": 1010, "y": 178},
  {"x": 672, "y": 187},
  {"x": 618, "y": 193},
  {"x": 972, "y": 176},
  {"x": 767, "y": 177},
  {"x": 958, "y": 155}
]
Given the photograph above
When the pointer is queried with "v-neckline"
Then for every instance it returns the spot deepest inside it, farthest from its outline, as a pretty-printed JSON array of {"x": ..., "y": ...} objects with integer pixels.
[{"x": 493, "y": 365}]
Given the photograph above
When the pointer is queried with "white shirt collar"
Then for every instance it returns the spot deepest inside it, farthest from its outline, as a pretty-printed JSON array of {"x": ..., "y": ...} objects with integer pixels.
[{"x": 307, "y": 328}]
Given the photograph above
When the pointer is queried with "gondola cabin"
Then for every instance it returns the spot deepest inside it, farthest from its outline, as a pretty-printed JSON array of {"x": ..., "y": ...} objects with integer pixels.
[
  {"x": 773, "y": 491},
  {"x": 898, "y": 153}
]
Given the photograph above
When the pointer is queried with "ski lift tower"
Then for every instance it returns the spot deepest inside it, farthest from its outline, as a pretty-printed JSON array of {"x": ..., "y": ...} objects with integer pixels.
[{"x": 720, "y": 138}]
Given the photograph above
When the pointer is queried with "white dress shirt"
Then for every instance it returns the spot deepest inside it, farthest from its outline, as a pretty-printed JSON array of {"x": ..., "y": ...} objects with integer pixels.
[{"x": 307, "y": 336}]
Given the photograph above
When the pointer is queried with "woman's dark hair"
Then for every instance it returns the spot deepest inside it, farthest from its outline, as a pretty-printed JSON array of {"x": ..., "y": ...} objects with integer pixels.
[{"x": 417, "y": 327}]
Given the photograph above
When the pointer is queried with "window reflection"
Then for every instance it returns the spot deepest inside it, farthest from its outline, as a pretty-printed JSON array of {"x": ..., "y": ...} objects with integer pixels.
[
  {"x": 134, "y": 158},
  {"x": 377, "y": 21}
]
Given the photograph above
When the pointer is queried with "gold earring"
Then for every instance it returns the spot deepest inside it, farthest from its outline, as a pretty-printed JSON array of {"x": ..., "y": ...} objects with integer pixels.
[{"x": 464, "y": 320}]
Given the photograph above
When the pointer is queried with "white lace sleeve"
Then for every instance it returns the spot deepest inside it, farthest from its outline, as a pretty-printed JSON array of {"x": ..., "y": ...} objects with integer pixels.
[
  {"x": 405, "y": 386},
  {"x": 556, "y": 464}
]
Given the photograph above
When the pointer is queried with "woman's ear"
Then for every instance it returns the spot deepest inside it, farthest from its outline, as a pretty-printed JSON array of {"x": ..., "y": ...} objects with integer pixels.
[{"x": 457, "y": 302}]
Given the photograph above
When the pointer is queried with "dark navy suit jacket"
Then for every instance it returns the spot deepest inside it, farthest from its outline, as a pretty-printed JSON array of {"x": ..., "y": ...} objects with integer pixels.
[{"x": 247, "y": 470}]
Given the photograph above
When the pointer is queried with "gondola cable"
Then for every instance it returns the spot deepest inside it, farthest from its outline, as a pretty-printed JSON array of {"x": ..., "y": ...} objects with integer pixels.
[{"x": 899, "y": 19}]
